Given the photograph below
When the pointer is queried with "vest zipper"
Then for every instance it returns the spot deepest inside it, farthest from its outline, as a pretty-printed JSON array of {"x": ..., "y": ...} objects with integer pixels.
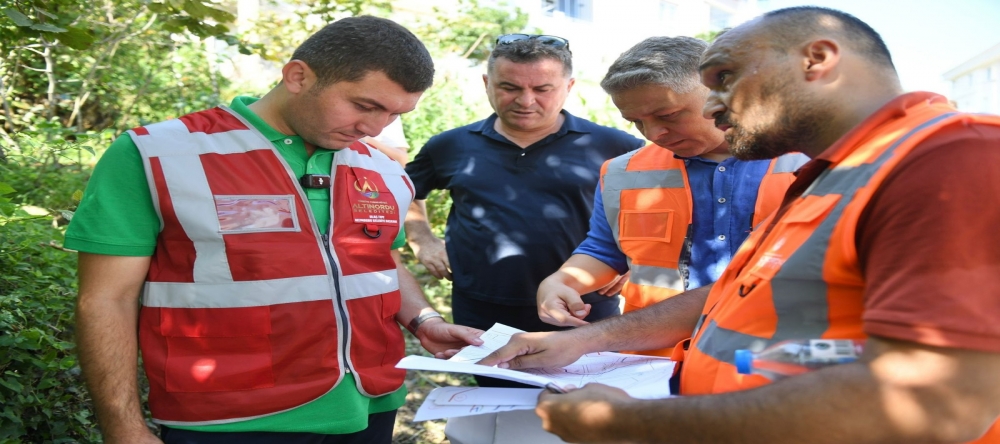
[{"x": 340, "y": 299}]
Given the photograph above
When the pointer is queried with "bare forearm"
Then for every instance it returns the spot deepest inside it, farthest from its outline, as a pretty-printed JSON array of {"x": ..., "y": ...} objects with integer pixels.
[
  {"x": 412, "y": 300},
  {"x": 584, "y": 273},
  {"x": 905, "y": 393},
  {"x": 660, "y": 325},
  {"x": 417, "y": 227},
  {"x": 757, "y": 416},
  {"x": 107, "y": 316},
  {"x": 107, "y": 347}
]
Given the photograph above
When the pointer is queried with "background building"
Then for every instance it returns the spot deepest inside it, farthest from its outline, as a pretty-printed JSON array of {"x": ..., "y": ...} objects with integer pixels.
[{"x": 975, "y": 84}]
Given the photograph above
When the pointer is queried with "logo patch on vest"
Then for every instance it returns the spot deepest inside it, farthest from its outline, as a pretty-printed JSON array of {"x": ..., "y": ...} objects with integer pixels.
[
  {"x": 256, "y": 214},
  {"x": 366, "y": 189},
  {"x": 371, "y": 200}
]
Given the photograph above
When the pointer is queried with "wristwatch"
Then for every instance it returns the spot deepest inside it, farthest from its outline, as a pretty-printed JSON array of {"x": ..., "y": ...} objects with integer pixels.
[{"x": 420, "y": 319}]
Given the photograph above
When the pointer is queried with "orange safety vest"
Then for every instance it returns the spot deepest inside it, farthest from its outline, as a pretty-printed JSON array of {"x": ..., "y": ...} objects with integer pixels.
[
  {"x": 803, "y": 280},
  {"x": 648, "y": 203},
  {"x": 247, "y": 309}
]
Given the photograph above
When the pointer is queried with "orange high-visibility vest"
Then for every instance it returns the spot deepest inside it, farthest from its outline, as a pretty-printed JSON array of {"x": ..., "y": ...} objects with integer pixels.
[
  {"x": 648, "y": 204},
  {"x": 803, "y": 279},
  {"x": 247, "y": 309}
]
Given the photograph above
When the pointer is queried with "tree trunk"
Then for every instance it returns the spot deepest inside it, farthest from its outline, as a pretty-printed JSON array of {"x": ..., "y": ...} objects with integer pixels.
[
  {"x": 7, "y": 114},
  {"x": 51, "y": 74}
]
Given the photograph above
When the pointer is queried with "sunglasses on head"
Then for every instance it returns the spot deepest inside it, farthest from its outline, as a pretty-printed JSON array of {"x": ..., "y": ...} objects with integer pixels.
[{"x": 552, "y": 40}]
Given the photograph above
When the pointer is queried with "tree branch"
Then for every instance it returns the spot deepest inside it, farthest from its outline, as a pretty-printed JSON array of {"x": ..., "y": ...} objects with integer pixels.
[
  {"x": 474, "y": 46},
  {"x": 101, "y": 60}
]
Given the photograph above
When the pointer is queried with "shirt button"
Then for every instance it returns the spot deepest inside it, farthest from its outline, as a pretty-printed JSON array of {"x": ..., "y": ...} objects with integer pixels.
[
  {"x": 722, "y": 200},
  {"x": 288, "y": 141},
  {"x": 722, "y": 168},
  {"x": 522, "y": 154},
  {"x": 722, "y": 237}
]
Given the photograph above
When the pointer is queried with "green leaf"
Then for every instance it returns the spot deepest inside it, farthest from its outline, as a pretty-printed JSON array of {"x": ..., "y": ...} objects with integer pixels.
[
  {"x": 46, "y": 383},
  {"x": 12, "y": 384},
  {"x": 66, "y": 214},
  {"x": 46, "y": 13},
  {"x": 18, "y": 18},
  {"x": 5, "y": 189},
  {"x": 196, "y": 9},
  {"x": 158, "y": 8},
  {"x": 47, "y": 27},
  {"x": 78, "y": 39}
]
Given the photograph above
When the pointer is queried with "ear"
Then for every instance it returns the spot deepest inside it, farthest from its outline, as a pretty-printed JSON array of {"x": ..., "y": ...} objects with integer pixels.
[
  {"x": 570, "y": 83},
  {"x": 297, "y": 77},
  {"x": 820, "y": 57},
  {"x": 486, "y": 80}
]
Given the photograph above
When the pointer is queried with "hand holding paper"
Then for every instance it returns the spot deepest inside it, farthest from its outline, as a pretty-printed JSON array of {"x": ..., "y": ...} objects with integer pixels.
[{"x": 640, "y": 376}]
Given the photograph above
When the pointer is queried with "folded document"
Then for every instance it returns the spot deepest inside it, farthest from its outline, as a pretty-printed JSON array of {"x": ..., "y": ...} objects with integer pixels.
[{"x": 645, "y": 377}]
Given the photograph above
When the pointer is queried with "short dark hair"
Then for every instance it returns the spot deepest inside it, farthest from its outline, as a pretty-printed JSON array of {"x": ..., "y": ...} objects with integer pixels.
[
  {"x": 530, "y": 51},
  {"x": 350, "y": 48},
  {"x": 790, "y": 26},
  {"x": 667, "y": 61}
]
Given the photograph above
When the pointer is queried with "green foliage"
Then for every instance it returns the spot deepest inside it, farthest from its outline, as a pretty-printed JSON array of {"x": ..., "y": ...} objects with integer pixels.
[
  {"x": 709, "y": 36},
  {"x": 105, "y": 64},
  {"x": 472, "y": 31},
  {"x": 277, "y": 32},
  {"x": 41, "y": 395}
]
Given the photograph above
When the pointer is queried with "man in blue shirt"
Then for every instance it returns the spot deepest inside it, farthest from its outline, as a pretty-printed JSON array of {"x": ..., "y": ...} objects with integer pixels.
[
  {"x": 522, "y": 185},
  {"x": 712, "y": 207}
]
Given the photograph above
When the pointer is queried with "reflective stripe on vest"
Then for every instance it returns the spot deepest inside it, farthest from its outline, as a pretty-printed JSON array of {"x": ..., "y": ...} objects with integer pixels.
[
  {"x": 788, "y": 163},
  {"x": 660, "y": 277},
  {"x": 269, "y": 292}
]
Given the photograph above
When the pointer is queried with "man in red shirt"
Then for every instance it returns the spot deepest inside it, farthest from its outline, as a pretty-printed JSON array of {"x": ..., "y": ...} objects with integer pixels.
[{"x": 883, "y": 235}]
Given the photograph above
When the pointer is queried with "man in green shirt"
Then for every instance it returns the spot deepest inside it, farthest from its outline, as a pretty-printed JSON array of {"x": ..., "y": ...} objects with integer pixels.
[{"x": 346, "y": 82}]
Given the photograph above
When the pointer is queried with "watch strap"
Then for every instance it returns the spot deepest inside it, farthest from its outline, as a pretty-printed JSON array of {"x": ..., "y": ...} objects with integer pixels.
[{"x": 420, "y": 319}]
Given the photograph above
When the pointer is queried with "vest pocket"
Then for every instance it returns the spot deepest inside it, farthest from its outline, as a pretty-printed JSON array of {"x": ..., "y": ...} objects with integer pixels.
[
  {"x": 647, "y": 225},
  {"x": 376, "y": 342},
  {"x": 217, "y": 349}
]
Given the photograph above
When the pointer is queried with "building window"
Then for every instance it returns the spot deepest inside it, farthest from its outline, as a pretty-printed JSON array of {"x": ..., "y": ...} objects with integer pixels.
[{"x": 576, "y": 9}]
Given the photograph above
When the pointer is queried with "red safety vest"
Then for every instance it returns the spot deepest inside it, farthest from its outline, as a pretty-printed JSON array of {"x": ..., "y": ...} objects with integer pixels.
[
  {"x": 247, "y": 309},
  {"x": 648, "y": 203},
  {"x": 803, "y": 279}
]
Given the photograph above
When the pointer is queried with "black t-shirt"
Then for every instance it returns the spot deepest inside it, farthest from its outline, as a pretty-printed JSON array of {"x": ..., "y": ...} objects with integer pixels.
[{"x": 517, "y": 214}]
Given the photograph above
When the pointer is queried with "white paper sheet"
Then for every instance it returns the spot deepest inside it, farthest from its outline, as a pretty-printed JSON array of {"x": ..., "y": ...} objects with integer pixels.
[
  {"x": 438, "y": 403},
  {"x": 645, "y": 377},
  {"x": 488, "y": 395}
]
